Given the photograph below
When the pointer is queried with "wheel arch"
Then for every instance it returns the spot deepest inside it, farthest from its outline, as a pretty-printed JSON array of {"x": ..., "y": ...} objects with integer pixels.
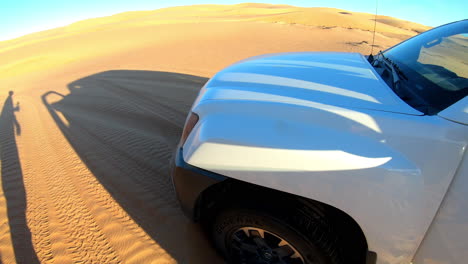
[{"x": 232, "y": 193}]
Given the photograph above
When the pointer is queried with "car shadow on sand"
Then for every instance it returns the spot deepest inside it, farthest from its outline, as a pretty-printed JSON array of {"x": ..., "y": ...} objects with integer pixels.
[{"x": 125, "y": 125}]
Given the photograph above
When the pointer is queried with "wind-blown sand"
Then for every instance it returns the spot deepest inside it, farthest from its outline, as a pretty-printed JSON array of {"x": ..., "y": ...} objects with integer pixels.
[{"x": 97, "y": 109}]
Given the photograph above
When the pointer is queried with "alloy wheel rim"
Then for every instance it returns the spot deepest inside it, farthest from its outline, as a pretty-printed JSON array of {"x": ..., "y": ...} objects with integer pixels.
[{"x": 251, "y": 245}]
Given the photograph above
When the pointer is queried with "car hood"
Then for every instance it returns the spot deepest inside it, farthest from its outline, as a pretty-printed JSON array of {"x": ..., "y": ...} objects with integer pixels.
[{"x": 337, "y": 79}]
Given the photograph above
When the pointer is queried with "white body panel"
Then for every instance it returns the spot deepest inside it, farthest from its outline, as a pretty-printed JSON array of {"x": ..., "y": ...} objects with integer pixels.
[
  {"x": 458, "y": 112},
  {"x": 446, "y": 240},
  {"x": 348, "y": 142},
  {"x": 339, "y": 79}
]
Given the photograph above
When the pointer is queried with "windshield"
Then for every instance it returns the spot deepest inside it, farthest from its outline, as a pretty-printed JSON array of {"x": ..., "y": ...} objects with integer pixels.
[{"x": 429, "y": 71}]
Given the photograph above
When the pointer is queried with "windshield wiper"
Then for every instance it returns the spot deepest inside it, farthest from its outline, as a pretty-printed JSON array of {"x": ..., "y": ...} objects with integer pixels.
[
  {"x": 397, "y": 73},
  {"x": 400, "y": 89}
]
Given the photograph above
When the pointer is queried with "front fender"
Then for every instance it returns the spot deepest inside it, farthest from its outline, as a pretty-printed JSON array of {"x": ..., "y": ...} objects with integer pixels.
[{"x": 370, "y": 164}]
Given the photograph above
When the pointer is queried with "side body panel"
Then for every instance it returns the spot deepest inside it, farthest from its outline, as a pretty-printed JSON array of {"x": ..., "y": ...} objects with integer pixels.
[
  {"x": 446, "y": 241},
  {"x": 388, "y": 171}
]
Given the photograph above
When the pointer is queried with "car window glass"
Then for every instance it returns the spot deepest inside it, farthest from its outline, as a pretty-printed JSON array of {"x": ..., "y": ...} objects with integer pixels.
[{"x": 445, "y": 56}]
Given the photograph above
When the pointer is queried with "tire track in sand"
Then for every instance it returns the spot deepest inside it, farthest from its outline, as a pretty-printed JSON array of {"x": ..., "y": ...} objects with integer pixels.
[
  {"x": 129, "y": 152},
  {"x": 76, "y": 237},
  {"x": 130, "y": 159},
  {"x": 130, "y": 242},
  {"x": 103, "y": 216},
  {"x": 97, "y": 183}
]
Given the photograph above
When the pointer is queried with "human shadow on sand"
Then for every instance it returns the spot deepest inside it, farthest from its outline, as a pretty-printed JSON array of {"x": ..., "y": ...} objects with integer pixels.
[
  {"x": 125, "y": 125},
  {"x": 13, "y": 185}
]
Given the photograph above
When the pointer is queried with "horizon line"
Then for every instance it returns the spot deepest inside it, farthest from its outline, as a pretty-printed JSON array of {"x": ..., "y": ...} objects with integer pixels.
[{"x": 69, "y": 23}]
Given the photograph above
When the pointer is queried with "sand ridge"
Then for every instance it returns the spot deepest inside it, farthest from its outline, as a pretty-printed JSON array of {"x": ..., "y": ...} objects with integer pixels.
[{"x": 97, "y": 109}]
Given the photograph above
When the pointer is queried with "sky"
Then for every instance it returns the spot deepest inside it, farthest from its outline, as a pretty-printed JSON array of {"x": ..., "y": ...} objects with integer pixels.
[{"x": 21, "y": 17}]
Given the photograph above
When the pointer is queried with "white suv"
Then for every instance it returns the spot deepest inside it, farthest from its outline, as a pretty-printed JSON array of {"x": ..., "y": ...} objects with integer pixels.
[{"x": 334, "y": 157}]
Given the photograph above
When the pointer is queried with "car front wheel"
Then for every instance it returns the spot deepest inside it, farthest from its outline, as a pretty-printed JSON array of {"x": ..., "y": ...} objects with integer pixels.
[{"x": 250, "y": 237}]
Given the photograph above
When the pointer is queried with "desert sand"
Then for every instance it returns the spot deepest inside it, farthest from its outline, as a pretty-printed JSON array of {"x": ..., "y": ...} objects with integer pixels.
[{"x": 96, "y": 109}]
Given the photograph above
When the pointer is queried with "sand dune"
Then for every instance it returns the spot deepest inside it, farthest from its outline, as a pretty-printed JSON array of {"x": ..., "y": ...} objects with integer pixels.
[{"x": 98, "y": 106}]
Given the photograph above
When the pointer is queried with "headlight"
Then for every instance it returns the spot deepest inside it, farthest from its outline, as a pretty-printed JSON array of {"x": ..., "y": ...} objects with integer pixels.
[{"x": 192, "y": 120}]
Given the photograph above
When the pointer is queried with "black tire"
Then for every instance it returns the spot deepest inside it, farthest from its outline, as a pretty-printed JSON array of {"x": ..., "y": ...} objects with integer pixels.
[{"x": 317, "y": 247}]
